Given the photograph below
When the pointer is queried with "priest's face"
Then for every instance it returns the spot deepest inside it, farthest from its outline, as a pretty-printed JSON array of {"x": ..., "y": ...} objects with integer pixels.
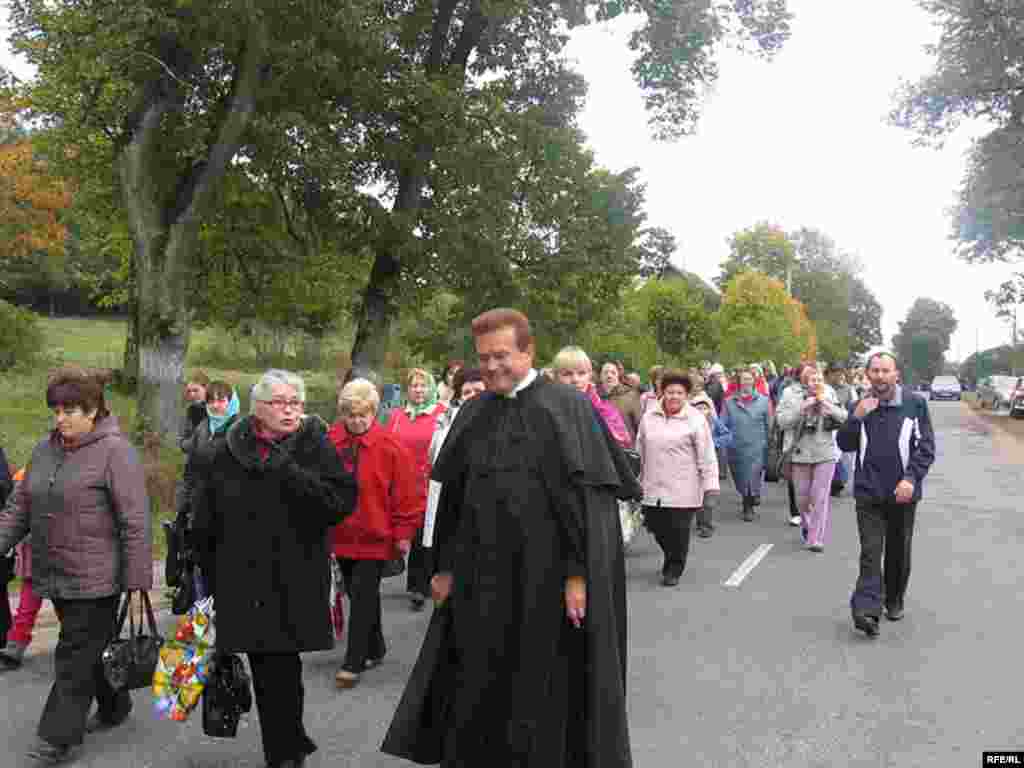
[{"x": 502, "y": 362}]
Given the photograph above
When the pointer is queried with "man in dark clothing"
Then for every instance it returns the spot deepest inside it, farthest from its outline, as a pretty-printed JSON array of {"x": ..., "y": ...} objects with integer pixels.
[
  {"x": 890, "y": 430},
  {"x": 524, "y": 662}
]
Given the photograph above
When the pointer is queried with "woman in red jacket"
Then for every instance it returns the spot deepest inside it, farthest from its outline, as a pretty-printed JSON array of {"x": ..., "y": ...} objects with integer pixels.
[
  {"x": 388, "y": 513},
  {"x": 414, "y": 427}
]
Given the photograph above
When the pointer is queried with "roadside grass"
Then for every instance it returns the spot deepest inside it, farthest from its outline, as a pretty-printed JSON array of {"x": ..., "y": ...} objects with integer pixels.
[{"x": 25, "y": 419}]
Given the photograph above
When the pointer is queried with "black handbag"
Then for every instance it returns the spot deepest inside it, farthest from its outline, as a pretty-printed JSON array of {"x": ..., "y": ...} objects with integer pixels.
[
  {"x": 226, "y": 697},
  {"x": 173, "y": 561},
  {"x": 184, "y": 593},
  {"x": 6, "y": 575},
  {"x": 129, "y": 662}
]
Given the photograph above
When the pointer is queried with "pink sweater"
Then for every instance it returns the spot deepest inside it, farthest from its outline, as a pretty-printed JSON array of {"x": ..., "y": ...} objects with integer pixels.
[{"x": 679, "y": 460}]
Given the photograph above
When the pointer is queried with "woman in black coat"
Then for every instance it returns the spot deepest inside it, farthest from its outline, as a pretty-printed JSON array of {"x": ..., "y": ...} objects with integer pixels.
[{"x": 262, "y": 511}]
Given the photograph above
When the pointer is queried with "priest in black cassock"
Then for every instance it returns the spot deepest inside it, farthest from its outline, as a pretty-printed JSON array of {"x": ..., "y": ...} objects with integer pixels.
[{"x": 524, "y": 662}]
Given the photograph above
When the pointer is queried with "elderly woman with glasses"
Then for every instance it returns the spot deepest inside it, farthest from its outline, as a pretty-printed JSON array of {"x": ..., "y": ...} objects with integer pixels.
[
  {"x": 263, "y": 509},
  {"x": 387, "y": 516},
  {"x": 414, "y": 426},
  {"x": 83, "y": 499}
]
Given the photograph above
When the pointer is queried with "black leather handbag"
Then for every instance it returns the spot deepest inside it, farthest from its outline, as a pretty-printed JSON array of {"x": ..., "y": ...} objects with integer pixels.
[
  {"x": 226, "y": 697},
  {"x": 129, "y": 662}
]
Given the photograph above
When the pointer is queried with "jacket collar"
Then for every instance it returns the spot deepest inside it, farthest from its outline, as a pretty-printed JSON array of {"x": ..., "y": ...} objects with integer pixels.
[
  {"x": 245, "y": 446},
  {"x": 686, "y": 412},
  {"x": 107, "y": 427},
  {"x": 339, "y": 436}
]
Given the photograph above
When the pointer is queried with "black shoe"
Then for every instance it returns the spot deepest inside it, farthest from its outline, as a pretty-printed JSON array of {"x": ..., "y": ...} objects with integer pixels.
[
  {"x": 756, "y": 501},
  {"x": 97, "y": 724},
  {"x": 866, "y": 624},
  {"x": 704, "y": 531},
  {"x": 43, "y": 753},
  {"x": 416, "y": 602},
  {"x": 894, "y": 613},
  {"x": 669, "y": 580}
]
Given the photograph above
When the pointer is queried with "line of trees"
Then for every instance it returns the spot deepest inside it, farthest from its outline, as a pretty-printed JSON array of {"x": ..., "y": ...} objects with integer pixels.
[{"x": 303, "y": 159}]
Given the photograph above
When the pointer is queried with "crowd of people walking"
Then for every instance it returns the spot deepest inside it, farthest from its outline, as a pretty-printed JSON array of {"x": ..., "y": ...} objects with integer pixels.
[{"x": 500, "y": 493}]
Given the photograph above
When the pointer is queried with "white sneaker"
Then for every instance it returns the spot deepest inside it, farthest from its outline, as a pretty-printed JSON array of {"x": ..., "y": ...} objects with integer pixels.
[{"x": 795, "y": 521}]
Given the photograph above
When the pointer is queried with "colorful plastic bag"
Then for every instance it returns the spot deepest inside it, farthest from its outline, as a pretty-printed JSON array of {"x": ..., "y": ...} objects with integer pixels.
[{"x": 185, "y": 664}]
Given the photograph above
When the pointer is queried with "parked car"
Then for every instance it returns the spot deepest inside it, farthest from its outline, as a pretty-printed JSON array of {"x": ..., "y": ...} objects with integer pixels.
[
  {"x": 944, "y": 388},
  {"x": 1017, "y": 404},
  {"x": 996, "y": 392}
]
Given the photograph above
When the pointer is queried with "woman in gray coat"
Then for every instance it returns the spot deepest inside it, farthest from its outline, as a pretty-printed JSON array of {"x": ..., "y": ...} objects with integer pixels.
[
  {"x": 83, "y": 499},
  {"x": 810, "y": 414},
  {"x": 747, "y": 414}
]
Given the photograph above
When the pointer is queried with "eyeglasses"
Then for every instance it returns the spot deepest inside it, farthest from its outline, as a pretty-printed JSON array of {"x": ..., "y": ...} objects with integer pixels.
[
  {"x": 280, "y": 405},
  {"x": 73, "y": 410}
]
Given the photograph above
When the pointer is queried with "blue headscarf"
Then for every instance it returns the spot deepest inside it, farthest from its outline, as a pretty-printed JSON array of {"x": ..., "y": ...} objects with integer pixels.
[{"x": 217, "y": 423}]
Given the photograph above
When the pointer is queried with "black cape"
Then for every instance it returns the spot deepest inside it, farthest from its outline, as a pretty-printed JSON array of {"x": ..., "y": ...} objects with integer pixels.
[{"x": 530, "y": 488}]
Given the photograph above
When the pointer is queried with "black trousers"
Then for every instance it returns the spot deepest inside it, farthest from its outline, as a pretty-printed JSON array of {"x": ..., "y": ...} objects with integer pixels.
[
  {"x": 86, "y": 626},
  {"x": 277, "y": 688},
  {"x": 794, "y": 511},
  {"x": 365, "y": 631},
  {"x": 420, "y": 568},
  {"x": 671, "y": 529},
  {"x": 886, "y": 532}
]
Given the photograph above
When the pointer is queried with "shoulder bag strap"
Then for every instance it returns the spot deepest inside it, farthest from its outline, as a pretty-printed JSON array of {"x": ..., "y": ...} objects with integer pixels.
[{"x": 150, "y": 617}]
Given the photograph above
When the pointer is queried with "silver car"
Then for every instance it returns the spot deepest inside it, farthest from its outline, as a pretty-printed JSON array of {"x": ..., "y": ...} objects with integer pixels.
[{"x": 996, "y": 392}]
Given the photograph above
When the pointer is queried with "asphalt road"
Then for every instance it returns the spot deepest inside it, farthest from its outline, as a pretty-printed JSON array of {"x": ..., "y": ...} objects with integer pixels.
[{"x": 769, "y": 673}]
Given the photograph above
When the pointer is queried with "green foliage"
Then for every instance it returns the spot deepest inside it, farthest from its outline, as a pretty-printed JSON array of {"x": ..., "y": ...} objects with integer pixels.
[
  {"x": 678, "y": 319},
  {"x": 21, "y": 341},
  {"x": 846, "y": 315},
  {"x": 923, "y": 339},
  {"x": 759, "y": 321},
  {"x": 978, "y": 73}
]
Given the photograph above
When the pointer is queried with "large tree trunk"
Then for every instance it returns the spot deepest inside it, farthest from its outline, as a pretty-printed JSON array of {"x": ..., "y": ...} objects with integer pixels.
[
  {"x": 379, "y": 309},
  {"x": 165, "y": 229}
]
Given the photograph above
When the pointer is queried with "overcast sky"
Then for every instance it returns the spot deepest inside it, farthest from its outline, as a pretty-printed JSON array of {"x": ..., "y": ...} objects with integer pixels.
[{"x": 801, "y": 141}]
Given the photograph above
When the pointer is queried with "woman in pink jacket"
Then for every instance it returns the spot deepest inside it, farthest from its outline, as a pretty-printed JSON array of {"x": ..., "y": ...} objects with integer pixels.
[{"x": 679, "y": 467}]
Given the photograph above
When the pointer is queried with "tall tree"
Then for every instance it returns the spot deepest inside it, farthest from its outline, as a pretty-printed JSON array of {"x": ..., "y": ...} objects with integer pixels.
[
  {"x": 923, "y": 339},
  {"x": 764, "y": 247},
  {"x": 463, "y": 57},
  {"x": 166, "y": 92},
  {"x": 978, "y": 73},
  {"x": 758, "y": 321},
  {"x": 1007, "y": 300}
]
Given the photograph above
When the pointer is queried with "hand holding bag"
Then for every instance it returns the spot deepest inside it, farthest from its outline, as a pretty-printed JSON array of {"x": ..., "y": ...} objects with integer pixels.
[{"x": 129, "y": 662}]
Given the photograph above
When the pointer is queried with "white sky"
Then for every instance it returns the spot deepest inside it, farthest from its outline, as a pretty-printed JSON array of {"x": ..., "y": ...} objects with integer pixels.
[{"x": 801, "y": 141}]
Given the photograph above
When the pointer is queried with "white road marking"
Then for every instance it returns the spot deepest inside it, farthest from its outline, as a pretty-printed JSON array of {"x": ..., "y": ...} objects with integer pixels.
[{"x": 748, "y": 565}]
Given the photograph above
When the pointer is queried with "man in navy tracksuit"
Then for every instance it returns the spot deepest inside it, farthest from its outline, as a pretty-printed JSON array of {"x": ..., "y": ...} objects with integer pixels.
[{"x": 890, "y": 431}]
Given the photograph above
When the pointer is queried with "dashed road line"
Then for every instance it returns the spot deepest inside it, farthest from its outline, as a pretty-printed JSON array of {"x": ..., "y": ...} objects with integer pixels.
[{"x": 747, "y": 566}]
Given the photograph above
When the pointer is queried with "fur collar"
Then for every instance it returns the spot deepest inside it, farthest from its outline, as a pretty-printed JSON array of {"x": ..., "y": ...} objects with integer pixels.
[{"x": 245, "y": 447}]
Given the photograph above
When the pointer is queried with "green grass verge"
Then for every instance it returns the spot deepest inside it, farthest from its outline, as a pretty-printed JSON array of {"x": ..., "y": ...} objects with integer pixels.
[{"x": 25, "y": 419}]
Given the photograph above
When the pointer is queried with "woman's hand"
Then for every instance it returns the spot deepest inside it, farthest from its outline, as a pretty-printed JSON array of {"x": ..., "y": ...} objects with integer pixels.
[{"x": 576, "y": 600}]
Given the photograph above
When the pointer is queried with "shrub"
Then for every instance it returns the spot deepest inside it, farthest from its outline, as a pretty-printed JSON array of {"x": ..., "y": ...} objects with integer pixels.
[{"x": 21, "y": 338}]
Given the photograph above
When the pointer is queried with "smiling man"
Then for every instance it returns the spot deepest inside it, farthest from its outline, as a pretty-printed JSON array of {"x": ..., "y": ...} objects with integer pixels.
[{"x": 524, "y": 663}]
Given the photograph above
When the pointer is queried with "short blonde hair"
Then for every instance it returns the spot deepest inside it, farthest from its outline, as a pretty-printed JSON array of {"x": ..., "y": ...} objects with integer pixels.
[
  {"x": 356, "y": 394},
  {"x": 570, "y": 358},
  {"x": 416, "y": 373}
]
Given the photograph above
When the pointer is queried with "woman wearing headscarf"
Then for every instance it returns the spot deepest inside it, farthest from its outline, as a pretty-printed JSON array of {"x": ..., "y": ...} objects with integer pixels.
[
  {"x": 222, "y": 406},
  {"x": 747, "y": 414},
  {"x": 386, "y": 517},
  {"x": 263, "y": 509},
  {"x": 810, "y": 414},
  {"x": 679, "y": 468},
  {"x": 413, "y": 426},
  {"x": 83, "y": 499}
]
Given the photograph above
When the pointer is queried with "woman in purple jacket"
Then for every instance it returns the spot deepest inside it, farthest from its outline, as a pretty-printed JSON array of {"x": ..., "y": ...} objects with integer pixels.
[{"x": 84, "y": 501}]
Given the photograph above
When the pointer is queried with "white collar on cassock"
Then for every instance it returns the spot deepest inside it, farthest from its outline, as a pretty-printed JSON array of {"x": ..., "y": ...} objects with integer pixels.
[{"x": 527, "y": 381}]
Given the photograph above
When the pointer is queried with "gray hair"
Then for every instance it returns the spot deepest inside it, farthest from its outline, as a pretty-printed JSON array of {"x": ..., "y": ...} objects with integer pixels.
[
  {"x": 358, "y": 392},
  {"x": 275, "y": 377}
]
